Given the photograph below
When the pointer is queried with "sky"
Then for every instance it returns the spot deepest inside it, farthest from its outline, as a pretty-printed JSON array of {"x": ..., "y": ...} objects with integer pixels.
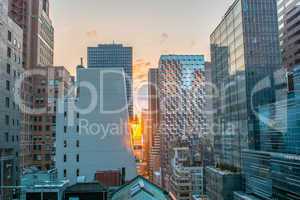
[{"x": 151, "y": 27}]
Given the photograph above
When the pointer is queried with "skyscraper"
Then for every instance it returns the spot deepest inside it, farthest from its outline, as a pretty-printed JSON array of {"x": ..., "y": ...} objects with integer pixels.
[
  {"x": 153, "y": 107},
  {"x": 244, "y": 51},
  {"x": 182, "y": 121},
  {"x": 11, "y": 39},
  {"x": 278, "y": 155},
  {"x": 48, "y": 88},
  {"x": 38, "y": 33},
  {"x": 289, "y": 32},
  {"x": 114, "y": 56},
  {"x": 38, "y": 47}
]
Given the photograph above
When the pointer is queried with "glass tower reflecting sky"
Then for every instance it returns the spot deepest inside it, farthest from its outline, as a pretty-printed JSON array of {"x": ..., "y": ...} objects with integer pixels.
[
  {"x": 114, "y": 56},
  {"x": 244, "y": 50}
]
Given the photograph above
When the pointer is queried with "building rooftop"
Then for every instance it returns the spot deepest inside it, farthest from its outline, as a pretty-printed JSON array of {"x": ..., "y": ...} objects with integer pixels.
[
  {"x": 244, "y": 196},
  {"x": 221, "y": 172},
  {"x": 140, "y": 188},
  {"x": 34, "y": 179},
  {"x": 92, "y": 187}
]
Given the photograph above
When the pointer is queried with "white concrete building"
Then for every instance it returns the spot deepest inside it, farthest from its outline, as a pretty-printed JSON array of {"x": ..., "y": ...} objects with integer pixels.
[{"x": 96, "y": 139}]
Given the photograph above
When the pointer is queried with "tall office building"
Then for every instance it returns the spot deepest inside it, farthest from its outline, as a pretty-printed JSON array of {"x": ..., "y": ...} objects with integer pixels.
[
  {"x": 278, "y": 157},
  {"x": 244, "y": 51},
  {"x": 181, "y": 103},
  {"x": 94, "y": 136},
  {"x": 33, "y": 17},
  {"x": 209, "y": 95},
  {"x": 114, "y": 56},
  {"x": 153, "y": 107},
  {"x": 289, "y": 32},
  {"x": 11, "y": 38},
  {"x": 147, "y": 138},
  {"x": 48, "y": 88},
  {"x": 38, "y": 46}
]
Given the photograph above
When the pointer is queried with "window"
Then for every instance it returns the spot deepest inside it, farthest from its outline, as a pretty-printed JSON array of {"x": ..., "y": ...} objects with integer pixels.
[
  {"x": 7, "y": 102},
  {"x": 77, "y": 129},
  {"x": 8, "y": 68},
  {"x": 7, "y": 85},
  {"x": 9, "y": 36},
  {"x": 65, "y": 129},
  {"x": 77, "y": 158},
  {"x": 47, "y": 128},
  {"x": 47, "y": 157},
  {"x": 65, "y": 173},
  {"x": 65, "y": 144},
  {"x": 77, "y": 143},
  {"x": 77, "y": 115},
  {"x": 7, "y": 120},
  {"x": 77, "y": 172},
  {"x": 8, "y": 52},
  {"x": 65, "y": 158},
  {"x": 65, "y": 114}
]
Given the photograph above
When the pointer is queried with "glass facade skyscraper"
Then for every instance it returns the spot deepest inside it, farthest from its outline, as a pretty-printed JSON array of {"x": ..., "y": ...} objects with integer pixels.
[
  {"x": 244, "y": 50},
  {"x": 114, "y": 56},
  {"x": 273, "y": 172},
  {"x": 181, "y": 97}
]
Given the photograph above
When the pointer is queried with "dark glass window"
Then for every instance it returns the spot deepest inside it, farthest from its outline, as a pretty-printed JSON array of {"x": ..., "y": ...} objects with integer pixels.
[
  {"x": 8, "y": 68},
  {"x": 9, "y": 36}
]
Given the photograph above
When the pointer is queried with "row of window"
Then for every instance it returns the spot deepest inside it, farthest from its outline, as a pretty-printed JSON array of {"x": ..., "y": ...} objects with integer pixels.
[
  {"x": 10, "y": 54},
  {"x": 8, "y": 70},
  {"x": 65, "y": 158},
  {"x": 66, "y": 114},
  {"x": 8, "y": 104},
  {"x": 65, "y": 129},
  {"x": 13, "y": 138},
  {"x": 14, "y": 42},
  {"x": 37, "y": 157},
  {"x": 43, "y": 119},
  {"x": 66, "y": 144},
  {"x": 40, "y": 128},
  {"x": 77, "y": 172},
  {"x": 13, "y": 121}
]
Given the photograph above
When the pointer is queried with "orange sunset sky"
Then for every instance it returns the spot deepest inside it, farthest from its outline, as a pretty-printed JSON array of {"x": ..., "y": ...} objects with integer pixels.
[{"x": 151, "y": 27}]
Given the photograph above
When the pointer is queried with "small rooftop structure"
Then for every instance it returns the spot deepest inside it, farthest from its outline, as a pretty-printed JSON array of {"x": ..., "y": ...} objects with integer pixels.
[
  {"x": 140, "y": 188},
  {"x": 86, "y": 187},
  {"x": 86, "y": 191},
  {"x": 35, "y": 183}
]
